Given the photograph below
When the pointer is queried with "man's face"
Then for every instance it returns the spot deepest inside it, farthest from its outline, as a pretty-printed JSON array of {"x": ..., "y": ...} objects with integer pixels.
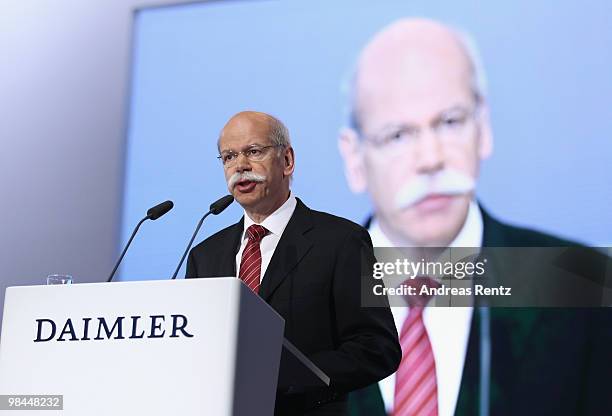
[
  {"x": 259, "y": 186},
  {"x": 418, "y": 148}
]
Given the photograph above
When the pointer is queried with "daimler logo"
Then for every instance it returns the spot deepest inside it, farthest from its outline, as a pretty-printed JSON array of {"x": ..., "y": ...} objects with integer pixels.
[{"x": 121, "y": 327}]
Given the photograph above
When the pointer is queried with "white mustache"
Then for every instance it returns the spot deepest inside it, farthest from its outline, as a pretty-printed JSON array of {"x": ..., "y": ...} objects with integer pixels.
[
  {"x": 244, "y": 176},
  {"x": 444, "y": 182}
]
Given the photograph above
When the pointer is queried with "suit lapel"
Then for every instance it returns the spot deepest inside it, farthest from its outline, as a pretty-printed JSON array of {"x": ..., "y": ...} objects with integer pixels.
[
  {"x": 291, "y": 248},
  {"x": 510, "y": 328},
  {"x": 227, "y": 258},
  {"x": 521, "y": 321}
]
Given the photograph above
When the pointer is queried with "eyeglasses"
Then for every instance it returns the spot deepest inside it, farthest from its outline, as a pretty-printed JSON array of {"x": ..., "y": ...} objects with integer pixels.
[
  {"x": 254, "y": 154},
  {"x": 448, "y": 125}
]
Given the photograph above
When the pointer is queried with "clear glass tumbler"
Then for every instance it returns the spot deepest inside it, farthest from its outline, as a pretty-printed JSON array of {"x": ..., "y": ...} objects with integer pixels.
[{"x": 59, "y": 279}]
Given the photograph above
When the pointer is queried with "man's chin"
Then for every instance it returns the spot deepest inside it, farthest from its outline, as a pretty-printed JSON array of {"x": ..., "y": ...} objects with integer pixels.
[
  {"x": 246, "y": 200},
  {"x": 434, "y": 223}
]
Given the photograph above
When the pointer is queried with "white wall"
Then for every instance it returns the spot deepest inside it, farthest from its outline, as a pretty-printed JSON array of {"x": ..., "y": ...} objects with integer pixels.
[{"x": 64, "y": 73}]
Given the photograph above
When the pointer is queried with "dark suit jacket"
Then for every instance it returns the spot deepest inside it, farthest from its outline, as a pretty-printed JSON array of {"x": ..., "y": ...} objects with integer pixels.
[
  {"x": 313, "y": 282},
  {"x": 544, "y": 361}
]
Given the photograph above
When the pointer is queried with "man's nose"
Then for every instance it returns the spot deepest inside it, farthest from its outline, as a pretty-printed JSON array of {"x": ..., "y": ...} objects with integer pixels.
[
  {"x": 242, "y": 163},
  {"x": 430, "y": 153}
]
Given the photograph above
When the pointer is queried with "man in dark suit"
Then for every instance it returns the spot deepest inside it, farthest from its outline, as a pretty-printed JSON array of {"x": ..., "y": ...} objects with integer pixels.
[
  {"x": 306, "y": 264},
  {"x": 419, "y": 128}
]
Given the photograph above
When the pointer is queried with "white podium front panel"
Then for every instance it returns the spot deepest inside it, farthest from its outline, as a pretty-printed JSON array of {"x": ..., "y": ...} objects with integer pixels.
[{"x": 142, "y": 348}]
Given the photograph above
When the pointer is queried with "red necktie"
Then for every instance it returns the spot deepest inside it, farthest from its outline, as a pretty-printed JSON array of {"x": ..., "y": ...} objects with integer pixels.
[
  {"x": 250, "y": 265},
  {"x": 416, "y": 388}
]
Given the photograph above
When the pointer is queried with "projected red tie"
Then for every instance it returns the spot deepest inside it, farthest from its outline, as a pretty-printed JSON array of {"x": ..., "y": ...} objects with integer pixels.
[
  {"x": 250, "y": 264},
  {"x": 416, "y": 388}
]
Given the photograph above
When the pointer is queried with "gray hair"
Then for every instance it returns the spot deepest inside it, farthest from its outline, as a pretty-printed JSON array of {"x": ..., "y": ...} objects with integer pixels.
[
  {"x": 279, "y": 134},
  {"x": 479, "y": 83}
]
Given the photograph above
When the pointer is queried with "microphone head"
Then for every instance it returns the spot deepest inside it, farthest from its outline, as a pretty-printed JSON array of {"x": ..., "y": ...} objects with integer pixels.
[
  {"x": 159, "y": 210},
  {"x": 219, "y": 205}
]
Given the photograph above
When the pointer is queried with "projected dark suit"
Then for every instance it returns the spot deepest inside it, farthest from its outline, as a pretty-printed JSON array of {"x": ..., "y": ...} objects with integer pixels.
[{"x": 543, "y": 361}]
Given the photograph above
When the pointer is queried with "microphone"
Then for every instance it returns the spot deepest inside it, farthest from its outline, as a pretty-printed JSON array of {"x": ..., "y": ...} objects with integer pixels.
[
  {"x": 216, "y": 208},
  {"x": 219, "y": 205},
  {"x": 159, "y": 210},
  {"x": 152, "y": 214}
]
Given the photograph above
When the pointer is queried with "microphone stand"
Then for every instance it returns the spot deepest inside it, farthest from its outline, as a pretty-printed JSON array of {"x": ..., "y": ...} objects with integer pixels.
[
  {"x": 190, "y": 243},
  {"x": 110, "y": 278}
]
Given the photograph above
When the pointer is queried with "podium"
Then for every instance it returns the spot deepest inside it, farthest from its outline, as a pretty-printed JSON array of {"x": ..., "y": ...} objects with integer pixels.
[{"x": 186, "y": 347}]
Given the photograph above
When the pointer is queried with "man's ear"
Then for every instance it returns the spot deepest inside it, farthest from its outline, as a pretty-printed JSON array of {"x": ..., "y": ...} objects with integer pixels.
[
  {"x": 350, "y": 149},
  {"x": 288, "y": 161},
  {"x": 485, "y": 137}
]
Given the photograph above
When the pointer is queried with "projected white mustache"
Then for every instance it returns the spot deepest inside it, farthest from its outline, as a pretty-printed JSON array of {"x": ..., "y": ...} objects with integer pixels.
[
  {"x": 244, "y": 176},
  {"x": 444, "y": 182}
]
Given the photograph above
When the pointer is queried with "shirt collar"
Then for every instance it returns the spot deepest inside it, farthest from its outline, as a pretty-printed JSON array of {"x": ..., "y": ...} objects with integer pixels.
[
  {"x": 472, "y": 230},
  {"x": 276, "y": 222},
  {"x": 470, "y": 234}
]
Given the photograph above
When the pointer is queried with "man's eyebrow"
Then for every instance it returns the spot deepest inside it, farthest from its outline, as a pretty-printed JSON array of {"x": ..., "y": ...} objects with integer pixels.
[
  {"x": 456, "y": 107},
  {"x": 254, "y": 145},
  {"x": 398, "y": 125},
  {"x": 249, "y": 146},
  {"x": 440, "y": 114}
]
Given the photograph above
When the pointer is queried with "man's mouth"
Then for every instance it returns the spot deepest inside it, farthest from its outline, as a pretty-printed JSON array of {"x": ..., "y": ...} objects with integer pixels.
[
  {"x": 245, "y": 186},
  {"x": 434, "y": 202}
]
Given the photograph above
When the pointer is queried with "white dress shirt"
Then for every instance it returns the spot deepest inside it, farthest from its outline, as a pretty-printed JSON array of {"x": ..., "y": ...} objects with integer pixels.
[
  {"x": 448, "y": 327},
  {"x": 275, "y": 223}
]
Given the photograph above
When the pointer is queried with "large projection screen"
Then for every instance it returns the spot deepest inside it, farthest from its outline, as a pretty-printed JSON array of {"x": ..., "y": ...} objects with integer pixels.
[{"x": 548, "y": 67}]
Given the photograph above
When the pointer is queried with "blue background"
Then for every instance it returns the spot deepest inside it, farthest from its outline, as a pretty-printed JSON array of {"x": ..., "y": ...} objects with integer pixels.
[{"x": 548, "y": 66}]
